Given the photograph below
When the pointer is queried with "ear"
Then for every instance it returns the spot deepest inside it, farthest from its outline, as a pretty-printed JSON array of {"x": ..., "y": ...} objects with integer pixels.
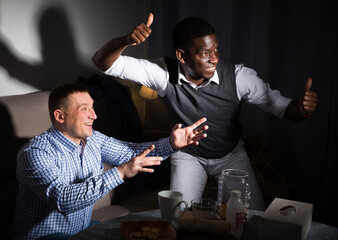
[
  {"x": 59, "y": 116},
  {"x": 180, "y": 54}
]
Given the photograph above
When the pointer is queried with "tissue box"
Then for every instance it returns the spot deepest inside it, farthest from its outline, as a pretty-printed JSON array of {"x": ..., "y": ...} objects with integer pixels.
[{"x": 286, "y": 219}]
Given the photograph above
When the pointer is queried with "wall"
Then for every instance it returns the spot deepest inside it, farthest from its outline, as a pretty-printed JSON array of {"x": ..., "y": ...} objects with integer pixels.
[{"x": 45, "y": 42}]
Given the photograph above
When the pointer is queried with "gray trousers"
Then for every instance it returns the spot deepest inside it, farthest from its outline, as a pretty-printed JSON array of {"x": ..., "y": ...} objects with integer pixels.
[{"x": 189, "y": 173}]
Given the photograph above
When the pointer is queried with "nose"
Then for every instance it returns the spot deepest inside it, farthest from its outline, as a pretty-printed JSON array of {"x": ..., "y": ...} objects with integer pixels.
[
  {"x": 214, "y": 58},
  {"x": 92, "y": 114}
]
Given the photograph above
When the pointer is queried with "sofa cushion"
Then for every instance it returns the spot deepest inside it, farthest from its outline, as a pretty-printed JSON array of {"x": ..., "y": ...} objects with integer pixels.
[
  {"x": 28, "y": 113},
  {"x": 22, "y": 117}
]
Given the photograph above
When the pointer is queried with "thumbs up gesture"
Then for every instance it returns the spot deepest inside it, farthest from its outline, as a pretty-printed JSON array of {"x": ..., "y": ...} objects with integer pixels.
[
  {"x": 309, "y": 100},
  {"x": 141, "y": 32}
]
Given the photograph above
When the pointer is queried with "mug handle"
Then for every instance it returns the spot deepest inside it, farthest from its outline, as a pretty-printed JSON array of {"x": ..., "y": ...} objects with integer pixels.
[{"x": 184, "y": 210}]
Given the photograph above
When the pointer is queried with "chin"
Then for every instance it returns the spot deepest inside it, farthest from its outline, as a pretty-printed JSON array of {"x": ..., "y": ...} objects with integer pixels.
[
  {"x": 208, "y": 76},
  {"x": 89, "y": 134}
]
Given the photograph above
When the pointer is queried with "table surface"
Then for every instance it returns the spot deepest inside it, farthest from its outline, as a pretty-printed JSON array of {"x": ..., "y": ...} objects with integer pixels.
[{"x": 111, "y": 229}]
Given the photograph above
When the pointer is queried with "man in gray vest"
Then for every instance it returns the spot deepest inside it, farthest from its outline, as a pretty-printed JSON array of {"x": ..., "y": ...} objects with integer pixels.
[{"x": 197, "y": 84}]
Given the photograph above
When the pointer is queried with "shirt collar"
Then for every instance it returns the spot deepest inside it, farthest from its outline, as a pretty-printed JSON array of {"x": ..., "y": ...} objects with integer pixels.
[
  {"x": 61, "y": 138},
  {"x": 182, "y": 78}
]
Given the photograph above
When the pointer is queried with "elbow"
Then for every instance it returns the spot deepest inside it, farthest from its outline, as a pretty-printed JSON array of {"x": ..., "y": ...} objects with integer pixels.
[
  {"x": 96, "y": 60},
  {"x": 100, "y": 62},
  {"x": 64, "y": 208}
]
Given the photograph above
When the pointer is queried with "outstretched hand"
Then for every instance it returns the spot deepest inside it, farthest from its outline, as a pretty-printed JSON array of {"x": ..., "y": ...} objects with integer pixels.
[
  {"x": 139, "y": 164},
  {"x": 309, "y": 99},
  {"x": 184, "y": 137},
  {"x": 141, "y": 32}
]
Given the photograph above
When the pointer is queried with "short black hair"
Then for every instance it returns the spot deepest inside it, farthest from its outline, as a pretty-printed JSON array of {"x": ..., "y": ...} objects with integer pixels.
[
  {"x": 188, "y": 29},
  {"x": 59, "y": 95}
]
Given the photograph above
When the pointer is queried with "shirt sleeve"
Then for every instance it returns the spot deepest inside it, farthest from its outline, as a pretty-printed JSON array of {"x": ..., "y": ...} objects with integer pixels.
[
  {"x": 38, "y": 170},
  {"x": 53, "y": 170},
  {"x": 116, "y": 152},
  {"x": 253, "y": 90},
  {"x": 151, "y": 73}
]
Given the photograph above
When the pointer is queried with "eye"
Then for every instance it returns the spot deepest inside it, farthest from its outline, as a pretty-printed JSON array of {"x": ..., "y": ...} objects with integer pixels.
[
  {"x": 205, "y": 54},
  {"x": 84, "y": 109}
]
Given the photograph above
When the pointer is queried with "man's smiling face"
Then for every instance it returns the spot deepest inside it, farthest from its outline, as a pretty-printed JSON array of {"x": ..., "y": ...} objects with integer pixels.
[
  {"x": 201, "y": 59},
  {"x": 79, "y": 116}
]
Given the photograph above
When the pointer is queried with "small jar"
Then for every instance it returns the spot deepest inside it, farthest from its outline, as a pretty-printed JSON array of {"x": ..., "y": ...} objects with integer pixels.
[
  {"x": 233, "y": 179},
  {"x": 235, "y": 213}
]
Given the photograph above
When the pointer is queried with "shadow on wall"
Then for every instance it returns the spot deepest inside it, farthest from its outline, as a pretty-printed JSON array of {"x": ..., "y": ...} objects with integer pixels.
[{"x": 59, "y": 61}]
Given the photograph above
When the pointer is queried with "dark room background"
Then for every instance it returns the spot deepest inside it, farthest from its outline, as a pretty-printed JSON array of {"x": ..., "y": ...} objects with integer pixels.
[
  {"x": 45, "y": 42},
  {"x": 286, "y": 42}
]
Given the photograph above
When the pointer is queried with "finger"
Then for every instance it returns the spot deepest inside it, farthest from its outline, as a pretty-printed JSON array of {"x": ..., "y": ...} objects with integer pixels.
[
  {"x": 150, "y": 19},
  {"x": 146, "y": 151},
  {"x": 309, "y": 103},
  {"x": 146, "y": 170},
  {"x": 200, "y": 136},
  {"x": 310, "y": 99},
  {"x": 150, "y": 161},
  {"x": 199, "y": 122},
  {"x": 177, "y": 126},
  {"x": 311, "y": 96},
  {"x": 308, "y": 84},
  {"x": 310, "y": 109},
  {"x": 139, "y": 34},
  {"x": 201, "y": 129}
]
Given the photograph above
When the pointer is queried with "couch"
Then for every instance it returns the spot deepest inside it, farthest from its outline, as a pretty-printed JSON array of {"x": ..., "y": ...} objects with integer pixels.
[{"x": 24, "y": 116}]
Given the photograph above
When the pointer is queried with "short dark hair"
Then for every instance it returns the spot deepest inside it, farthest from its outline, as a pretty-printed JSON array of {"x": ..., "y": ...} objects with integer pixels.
[
  {"x": 188, "y": 29},
  {"x": 59, "y": 95}
]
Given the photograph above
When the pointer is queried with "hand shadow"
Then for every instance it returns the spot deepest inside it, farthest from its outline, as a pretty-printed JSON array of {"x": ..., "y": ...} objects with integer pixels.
[{"x": 59, "y": 58}]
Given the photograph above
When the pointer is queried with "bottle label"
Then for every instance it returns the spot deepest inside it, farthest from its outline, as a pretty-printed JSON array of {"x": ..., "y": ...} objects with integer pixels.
[{"x": 239, "y": 220}]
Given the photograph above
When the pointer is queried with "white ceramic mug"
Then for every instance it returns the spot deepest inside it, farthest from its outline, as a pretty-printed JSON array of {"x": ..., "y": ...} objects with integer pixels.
[{"x": 170, "y": 205}]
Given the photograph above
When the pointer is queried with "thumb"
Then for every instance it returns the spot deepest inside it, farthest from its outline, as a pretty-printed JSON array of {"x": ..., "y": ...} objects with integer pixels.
[
  {"x": 308, "y": 84},
  {"x": 177, "y": 126},
  {"x": 150, "y": 19}
]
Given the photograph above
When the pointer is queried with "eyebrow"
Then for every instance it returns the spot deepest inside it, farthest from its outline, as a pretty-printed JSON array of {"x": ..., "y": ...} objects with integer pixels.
[{"x": 85, "y": 104}]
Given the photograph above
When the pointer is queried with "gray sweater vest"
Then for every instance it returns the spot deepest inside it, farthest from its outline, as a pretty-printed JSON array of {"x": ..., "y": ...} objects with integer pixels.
[{"x": 217, "y": 102}]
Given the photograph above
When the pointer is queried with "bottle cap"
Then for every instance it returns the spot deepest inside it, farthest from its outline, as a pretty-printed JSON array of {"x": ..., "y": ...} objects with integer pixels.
[{"x": 236, "y": 194}]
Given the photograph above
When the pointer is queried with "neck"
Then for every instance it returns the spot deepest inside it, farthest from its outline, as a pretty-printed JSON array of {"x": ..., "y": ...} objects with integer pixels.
[{"x": 197, "y": 82}]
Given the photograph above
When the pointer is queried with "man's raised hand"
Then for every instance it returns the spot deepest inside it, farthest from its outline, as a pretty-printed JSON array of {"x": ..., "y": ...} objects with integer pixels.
[
  {"x": 141, "y": 32},
  {"x": 139, "y": 164},
  {"x": 184, "y": 137},
  {"x": 309, "y": 99}
]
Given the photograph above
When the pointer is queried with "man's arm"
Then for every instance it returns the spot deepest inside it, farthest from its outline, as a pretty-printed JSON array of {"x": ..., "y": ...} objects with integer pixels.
[
  {"x": 179, "y": 138},
  {"x": 112, "y": 50},
  {"x": 297, "y": 111}
]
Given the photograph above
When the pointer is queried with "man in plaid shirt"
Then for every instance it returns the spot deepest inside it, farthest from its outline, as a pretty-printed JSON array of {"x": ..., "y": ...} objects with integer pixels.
[{"x": 60, "y": 172}]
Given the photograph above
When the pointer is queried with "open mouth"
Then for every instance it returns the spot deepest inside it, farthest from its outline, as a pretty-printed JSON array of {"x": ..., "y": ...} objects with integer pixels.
[{"x": 211, "y": 69}]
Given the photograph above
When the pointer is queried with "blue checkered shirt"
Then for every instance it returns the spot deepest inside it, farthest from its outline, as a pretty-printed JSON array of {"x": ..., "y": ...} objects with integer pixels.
[{"x": 59, "y": 180}]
